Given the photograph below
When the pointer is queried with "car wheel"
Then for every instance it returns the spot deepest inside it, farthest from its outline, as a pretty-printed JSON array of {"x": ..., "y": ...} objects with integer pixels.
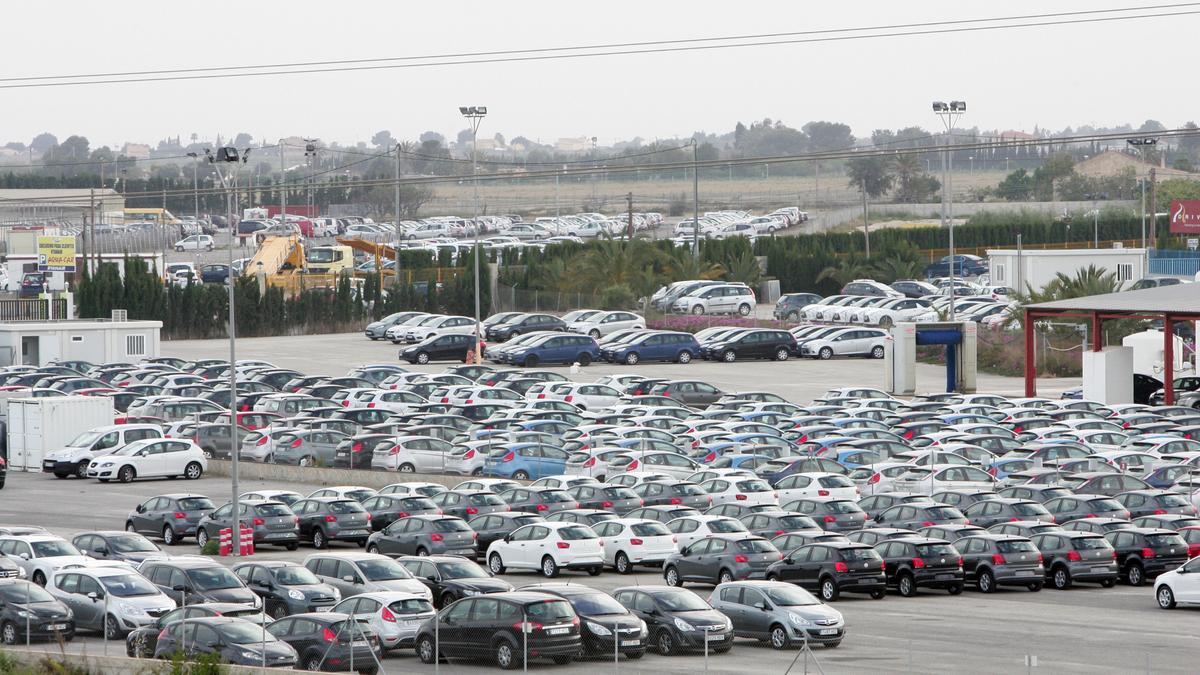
[
  {"x": 877, "y": 352},
  {"x": 698, "y": 309},
  {"x": 179, "y": 249},
  {"x": 422, "y": 552},
  {"x": 725, "y": 577},
  {"x": 906, "y": 585},
  {"x": 986, "y": 582},
  {"x": 594, "y": 333},
  {"x": 744, "y": 310},
  {"x": 269, "y": 459},
  {"x": 1034, "y": 588},
  {"x": 193, "y": 471},
  {"x": 372, "y": 548},
  {"x": 1061, "y": 578},
  {"x": 584, "y": 360},
  {"x": 729, "y": 356},
  {"x": 782, "y": 354},
  {"x": 532, "y": 361},
  {"x": 671, "y": 576},
  {"x": 426, "y": 650},
  {"x": 276, "y": 611},
  {"x": 319, "y": 540},
  {"x": 826, "y": 353},
  {"x": 445, "y": 599},
  {"x": 206, "y": 453},
  {"x": 506, "y": 656},
  {"x": 407, "y": 468},
  {"x": 1108, "y": 583},
  {"x": 792, "y": 316},
  {"x": 306, "y": 461},
  {"x": 1135, "y": 575},
  {"x": 685, "y": 357},
  {"x": 595, "y": 571},
  {"x": 495, "y": 564},
  {"x": 665, "y": 643},
  {"x": 878, "y": 595},
  {"x": 168, "y": 534},
  {"x": 631, "y": 359},
  {"x": 139, "y": 649},
  {"x": 779, "y": 637},
  {"x": 39, "y": 578},
  {"x": 126, "y": 474},
  {"x": 422, "y": 358},
  {"x": 885, "y": 322},
  {"x": 621, "y": 563},
  {"x": 549, "y": 567},
  {"x": 201, "y": 537},
  {"x": 829, "y": 590},
  {"x": 520, "y": 475},
  {"x": 81, "y": 470},
  {"x": 9, "y": 633},
  {"x": 1165, "y": 597},
  {"x": 313, "y": 662},
  {"x": 954, "y": 589},
  {"x": 292, "y": 546}
]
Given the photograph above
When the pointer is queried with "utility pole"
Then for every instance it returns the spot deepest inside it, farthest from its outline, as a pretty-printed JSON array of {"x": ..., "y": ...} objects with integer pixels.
[
  {"x": 629, "y": 210},
  {"x": 476, "y": 114},
  {"x": 866, "y": 223},
  {"x": 282, "y": 184},
  {"x": 396, "y": 239},
  {"x": 695, "y": 199},
  {"x": 1153, "y": 209}
]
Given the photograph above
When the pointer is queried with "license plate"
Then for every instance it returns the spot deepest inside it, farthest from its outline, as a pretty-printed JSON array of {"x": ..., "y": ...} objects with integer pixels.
[
  {"x": 1101, "y": 570},
  {"x": 942, "y": 577},
  {"x": 1024, "y": 573},
  {"x": 556, "y": 631},
  {"x": 630, "y": 643},
  {"x": 360, "y": 643},
  {"x": 56, "y": 626},
  {"x": 828, "y": 631},
  {"x": 351, "y": 533},
  {"x": 324, "y": 609}
]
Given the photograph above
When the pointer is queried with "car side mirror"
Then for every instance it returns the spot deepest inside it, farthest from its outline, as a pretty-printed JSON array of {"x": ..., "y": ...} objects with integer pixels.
[
  {"x": 23, "y": 556},
  {"x": 789, "y": 561},
  {"x": 140, "y": 508},
  {"x": 765, "y": 607},
  {"x": 101, "y": 551},
  {"x": 144, "y": 453},
  {"x": 93, "y": 597},
  {"x": 349, "y": 578},
  {"x": 507, "y": 538},
  {"x": 432, "y": 578}
]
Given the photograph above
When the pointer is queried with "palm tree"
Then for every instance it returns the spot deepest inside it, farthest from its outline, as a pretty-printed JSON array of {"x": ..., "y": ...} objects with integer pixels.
[
  {"x": 680, "y": 265},
  {"x": 611, "y": 262},
  {"x": 897, "y": 266},
  {"x": 848, "y": 269},
  {"x": 743, "y": 267},
  {"x": 1090, "y": 280}
]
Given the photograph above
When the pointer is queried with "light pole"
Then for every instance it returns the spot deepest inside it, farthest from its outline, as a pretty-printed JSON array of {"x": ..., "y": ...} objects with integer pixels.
[
  {"x": 949, "y": 112},
  {"x": 195, "y": 185},
  {"x": 475, "y": 115},
  {"x": 1141, "y": 144},
  {"x": 695, "y": 199},
  {"x": 230, "y": 155}
]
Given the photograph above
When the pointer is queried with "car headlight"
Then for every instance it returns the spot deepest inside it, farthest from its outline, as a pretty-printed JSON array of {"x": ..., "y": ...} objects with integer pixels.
[
  {"x": 106, "y": 465},
  {"x": 70, "y": 613},
  {"x": 470, "y": 592},
  {"x": 684, "y": 626},
  {"x": 645, "y": 629},
  {"x": 248, "y": 655},
  {"x": 127, "y": 609},
  {"x": 23, "y": 614},
  {"x": 600, "y": 630},
  {"x": 337, "y": 595},
  {"x": 798, "y": 620},
  {"x": 295, "y": 594}
]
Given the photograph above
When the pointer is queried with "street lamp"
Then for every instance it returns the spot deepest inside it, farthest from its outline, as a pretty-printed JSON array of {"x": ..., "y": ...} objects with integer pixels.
[
  {"x": 475, "y": 115},
  {"x": 949, "y": 113},
  {"x": 1141, "y": 144},
  {"x": 195, "y": 184},
  {"x": 230, "y": 156}
]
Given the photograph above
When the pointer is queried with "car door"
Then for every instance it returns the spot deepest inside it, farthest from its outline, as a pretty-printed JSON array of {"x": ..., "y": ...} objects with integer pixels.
[
  {"x": 808, "y": 571},
  {"x": 1186, "y": 584},
  {"x": 148, "y": 520},
  {"x": 755, "y": 618},
  {"x": 87, "y": 615}
]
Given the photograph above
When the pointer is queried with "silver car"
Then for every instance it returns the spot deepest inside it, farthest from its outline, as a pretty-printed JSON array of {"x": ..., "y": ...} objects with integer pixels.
[
  {"x": 604, "y": 323},
  {"x": 783, "y": 614},
  {"x": 394, "y": 615},
  {"x": 126, "y": 598},
  {"x": 356, "y": 573}
]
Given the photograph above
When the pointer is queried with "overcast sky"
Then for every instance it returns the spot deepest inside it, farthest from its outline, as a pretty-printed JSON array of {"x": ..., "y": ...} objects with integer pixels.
[{"x": 1100, "y": 74}]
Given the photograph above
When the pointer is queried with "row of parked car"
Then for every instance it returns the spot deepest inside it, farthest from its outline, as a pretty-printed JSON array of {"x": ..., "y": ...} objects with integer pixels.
[{"x": 871, "y": 303}]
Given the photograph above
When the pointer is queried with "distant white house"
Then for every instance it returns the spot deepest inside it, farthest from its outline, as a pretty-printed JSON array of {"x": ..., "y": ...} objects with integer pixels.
[{"x": 1037, "y": 267}]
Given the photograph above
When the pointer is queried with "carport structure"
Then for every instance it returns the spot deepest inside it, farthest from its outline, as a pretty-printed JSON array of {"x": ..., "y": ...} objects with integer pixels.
[{"x": 1169, "y": 304}]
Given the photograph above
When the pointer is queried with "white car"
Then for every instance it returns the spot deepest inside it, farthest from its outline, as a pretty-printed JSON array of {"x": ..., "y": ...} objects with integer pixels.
[
  {"x": 690, "y": 529},
  {"x": 746, "y": 491},
  {"x": 149, "y": 458},
  {"x": 864, "y": 342},
  {"x": 816, "y": 485},
  {"x": 421, "y": 488},
  {"x": 496, "y": 485},
  {"x": 896, "y": 310},
  {"x": 604, "y": 323},
  {"x": 411, "y": 454},
  {"x": 564, "y": 481},
  {"x": 547, "y": 547},
  {"x": 586, "y": 396},
  {"x": 708, "y": 474},
  {"x": 396, "y": 332},
  {"x": 396, "y": 401},
  {"x": 768, "y": 225},
  {"x": 634, "y": 541},
  {"x": 670, "y": 463},
  {"x": 595, "y": 462},
  {"x": 1181, "y": 584},
  {"x": 954, "y": 477},
  {"x": 395, "y": 616},
  {"x": 41, "y": 555},
  {"x": 356, "y": 492},
  {"x": 196, "y": 242},
  {"x": 439, "y": 326},
  {"x": 79, "y": 453},
  {"x": 719, "y": 299},
  {"x": 635, "y": 478}
]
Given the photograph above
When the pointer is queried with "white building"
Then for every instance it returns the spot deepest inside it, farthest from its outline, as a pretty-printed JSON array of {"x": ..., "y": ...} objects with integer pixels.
[
  {"x": 37, "y": 343},
  {"x": 1037, "y": 267}
]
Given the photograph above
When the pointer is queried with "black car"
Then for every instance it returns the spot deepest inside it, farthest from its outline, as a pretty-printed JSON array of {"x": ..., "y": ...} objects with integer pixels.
[
  {"x": 440, "y": 348},
  {"x": 1005, "y": 509},
  {"x": 950, "y": 533},
  {"x": 835, "y": 515},
  {"x": 677, "y": 619},
  {"x": 493, "y": 526},
  {"x": 991, "y": 560},
  {"x": 1145, "y": 553},
  {"x": 777, "y": 345},
  {"x": 24, "y": 603},
  {"x": 620, "y": 500},
  {"x": 914, "y": 289},
  {"x": 171, "y": 517},
  {"x": 215, "y": 273},
  {"x": 918, "y": 562},
  {"x": 141, "y": 642},
  {"x": 540, "y": 500},
  {"x": 233, "y": 640},
  {"x": 330, "y": 641},
  {"x": 523, "y": 323},
  {"x": 606, "y": 626},
  {"x": 688, "y": 392},
  {"x": 771, "y": 524},
  {"x": 189, "y": 580},
  {"x": 451, "y": 578},
  {"x": 356, "y": 450},
  {"x": 1097, "y": 525},
  {"x": 468, "y": 503},
  {"x": 788, "y": 307},
  {"x": 286, "y": 587},
  {"x": 833, "y": 568},
  {"x": 1077, "y": 556},
  {"x": 387, "y": 509},
  {"x": 873, "y": 536},
  {"x": 326, "y": 519},
  {"x": 672, "y": 493},
  {"x": 502, "y": 626}
]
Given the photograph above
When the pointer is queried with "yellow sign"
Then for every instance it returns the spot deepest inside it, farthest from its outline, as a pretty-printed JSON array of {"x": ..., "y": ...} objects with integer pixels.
[{"x": 56, "y": 254}]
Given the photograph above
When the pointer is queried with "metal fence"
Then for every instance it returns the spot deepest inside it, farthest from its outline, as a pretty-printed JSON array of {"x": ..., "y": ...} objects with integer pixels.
[
  {"x": 33, "y": 310},
  {"x": 513, "y": 299},
  {"x": 1174, "y": 263}
]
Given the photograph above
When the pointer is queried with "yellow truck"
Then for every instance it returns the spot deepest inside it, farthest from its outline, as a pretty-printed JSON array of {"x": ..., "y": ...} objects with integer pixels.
[{"x": 328, "y": 259}]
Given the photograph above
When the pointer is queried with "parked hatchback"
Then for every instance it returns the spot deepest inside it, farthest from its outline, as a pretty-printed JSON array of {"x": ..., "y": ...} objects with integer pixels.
[
  {"x": 1144, "y": 553},
  {"x": 678, "y": 620},
  {"x": 287, "y": 587},
  {"x": 232, "y": 640},
  {"x": 782, "y": 614},
  {"x": 721, "y": 558},
  {"x": 832, "y": 568},
  {"x": 425, "y": 535},
  {"x": 326, "y": 519},
  {"x": 1071, "y": 557},
  {"x": 271, "y": 522},
  {"x": 171, "y": 517},
  {"x": 992, "y": 560},
  {"x": 912, "y": 563},
  {"x": 553, "y": 630}
]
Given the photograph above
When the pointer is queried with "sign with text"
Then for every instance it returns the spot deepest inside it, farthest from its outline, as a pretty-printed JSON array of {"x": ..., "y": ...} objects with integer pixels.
[
  {"x": 56, "y": 254},
  {"x": 1185, "y": 216}
]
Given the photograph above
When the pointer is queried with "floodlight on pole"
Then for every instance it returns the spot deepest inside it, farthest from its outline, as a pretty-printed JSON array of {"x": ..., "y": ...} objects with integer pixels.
[
  {"x": 475, "y": 114},
  {"x": 949, "y": 112}
]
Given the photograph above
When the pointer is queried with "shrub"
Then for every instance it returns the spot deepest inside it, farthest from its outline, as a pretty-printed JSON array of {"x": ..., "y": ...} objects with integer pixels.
[{"x": 618, "y": 296}]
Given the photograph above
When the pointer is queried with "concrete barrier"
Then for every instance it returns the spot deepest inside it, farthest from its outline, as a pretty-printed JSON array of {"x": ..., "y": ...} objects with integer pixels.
[
  {"x": 108, "y": 665},
  {"x": 312, "y": 475}
]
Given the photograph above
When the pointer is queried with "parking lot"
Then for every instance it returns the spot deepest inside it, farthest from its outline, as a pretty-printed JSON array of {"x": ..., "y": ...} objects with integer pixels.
[{"x": 1083, "y": 630}]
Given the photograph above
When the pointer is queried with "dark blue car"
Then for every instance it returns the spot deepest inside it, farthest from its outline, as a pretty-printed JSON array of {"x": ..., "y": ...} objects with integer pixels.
[
  {"x": 964, "y": 266},
  {"x": 657, "y": 346},
  {"x": 565, "y": 348}
]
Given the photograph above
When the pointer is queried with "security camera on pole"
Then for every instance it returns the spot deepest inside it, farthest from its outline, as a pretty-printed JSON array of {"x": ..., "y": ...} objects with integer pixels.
[
  {"x": 231, "y": 159},
  {"x": 949, "y": 112}
]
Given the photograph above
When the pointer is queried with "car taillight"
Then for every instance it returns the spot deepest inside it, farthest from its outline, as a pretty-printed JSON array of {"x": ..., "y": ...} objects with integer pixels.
[
  {"x": 1193, "y": 550},
  {"x": 297, "y": 443},
  {"x": 436, "y": 537},
  {"x": 387, "y": 615},
  {"x": 676, "y": 500},
  {"x": 509, "y": 457},
  {"x": 542, "y": 507},
  {"x": 998, "y": 559},
  {"x": 262, "y": 441},
  {"x": 960, "y": 562},
  {"x": 162, "y": 634},
  {"x": 1090, "y": 515},
  {"x": 1159, "y": 512},
  {"x": 328, "y": 636},
  {"x": 1147, "y": 553},
  {"x": 371, "y": 404},
  {"x": 830, "y": 519},
  {"x": 927, "y": 523},
  {"x": 296, "y": 519},
  {"x": 346, "y": 403},
  {"x": 471, "y": 510},
  {"x": 992, "y": 471},
  {"x": 1041, "y": 559},
  {"x": 822, "y": 493},
  {"x": 563, "y": 544},
  {"x": 739, "y": 558},
  {"x": 331, "y": 518},
  {"x": 569, "y": 398},
  {"x": 357, "y": 447},
  {"x": 259, "y": 521},
  {"x": 874, "y": 478},
  {"x": 395, "y": 450},
  {"x": 470, "y": 454},
  {"x": 606, "y": 505},
  {"x": 1074, "y": 556},
  {"x": 634, "y": 464},
  {"x": 710, "y": 457},
  {"x": 528, "y": 626},
  {"x": 635, "y": 542},
  {"x": 841, "y": 567},
  {"x": 740, "y": 498},
  {"x": 908, "y": 434},
  {"x": 918, "y": 564},
  {"x": 180, "y": 515},
  {"x": 591, "y": 461}
]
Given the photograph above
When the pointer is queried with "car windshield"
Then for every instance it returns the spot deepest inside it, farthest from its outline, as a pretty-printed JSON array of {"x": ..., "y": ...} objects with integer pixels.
[
  {"x": 1106, "y": 505},
  {"x": 859, "y": 554},
  {"x": 196, "y": 503},
  {"x": 295, "y": 575},
  {"x": 461, "y": 569},
  {"x": 935, "y": 550},
  {"x": 552, "y": 496},
  {"x": 1015, "y": 547},
  {"x": 753, "y": 486},
  {"x": 726, "y": 525},
  {"x": 680, "y": 601},
  {"x": 22, "y": 592},
  {"x": 272, "y": 510},
  {"x": 450, "y": 525},
  {"x": 51, "y": 549},
  {"x": 244, "y": 633},
  {"x": 383, "y": 570},
  {"x": 128, "y": 543},
  {"x": 360, "y": 494},
  {"x": 576, "y": 532},
  {"x": 1165, "y": 540},
  {"x": 85, "y": 439},
  {"x": 626, "y": 493},
  {"x": 320, "y": 255},
  {"x": 128, "y": 585},
  {"x": 790, "y": 596},
  {"x": 597, "y": 604},
  {"x": 213, "y": 579},
  {"x": 756, "y": 546},
  {"x": 1091, "y": 543},
  {"x": 345, "y": 507},
  {"x": 550, "y": 611},
  {"x": 1172, "y": 501}
]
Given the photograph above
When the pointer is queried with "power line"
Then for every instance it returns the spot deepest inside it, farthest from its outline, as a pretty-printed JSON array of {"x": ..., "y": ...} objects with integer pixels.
[{"x": 656, "y": 47}]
